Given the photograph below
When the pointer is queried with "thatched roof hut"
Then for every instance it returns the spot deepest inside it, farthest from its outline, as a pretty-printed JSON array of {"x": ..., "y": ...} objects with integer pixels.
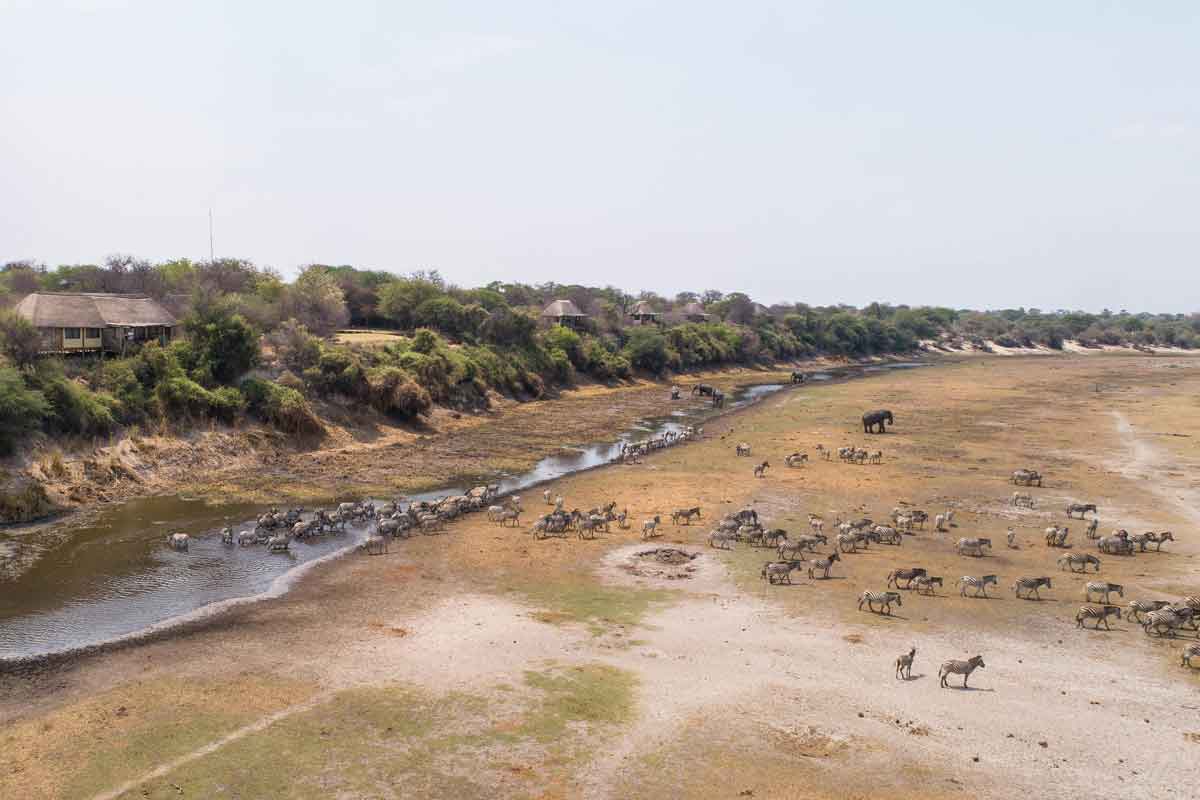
[
  {"x": 642, "y": 311},
  {"x": 83, "y": 321},
  {"x": 694, "y": 312},
  {"x": 563, "y": 312}
]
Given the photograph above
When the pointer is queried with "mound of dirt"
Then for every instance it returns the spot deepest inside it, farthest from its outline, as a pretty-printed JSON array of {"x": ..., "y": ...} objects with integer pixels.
[{"x": 668, "y": 563}]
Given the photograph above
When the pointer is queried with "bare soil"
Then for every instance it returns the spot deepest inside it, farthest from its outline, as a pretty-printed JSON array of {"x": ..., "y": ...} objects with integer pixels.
[{"x": 483, "y": 663}]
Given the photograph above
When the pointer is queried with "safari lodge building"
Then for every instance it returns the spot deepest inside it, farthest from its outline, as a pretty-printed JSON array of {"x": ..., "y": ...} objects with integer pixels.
[{"x": 95, "y": 322}]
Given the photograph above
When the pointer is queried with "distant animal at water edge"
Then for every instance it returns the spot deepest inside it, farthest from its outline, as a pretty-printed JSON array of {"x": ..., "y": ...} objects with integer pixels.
[
  {"x": 877, "y": 419},
  {"x": 703, "y": 389},
  {"x": 799, "y": 377},
  {"x": 743, "y": 449},
  {"x": 761, "y": 469},
  {"x": 227, "y": 534},
  {"x": 178, "y": 541},
  {"x": 374, "y": 545},
  {"x": 904, "y": 664}
]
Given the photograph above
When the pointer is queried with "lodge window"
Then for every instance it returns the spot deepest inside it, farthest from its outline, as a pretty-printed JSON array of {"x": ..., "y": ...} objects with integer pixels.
[
  {"x": 92, "y": 333},
  {"x": 70, "y": 333}
]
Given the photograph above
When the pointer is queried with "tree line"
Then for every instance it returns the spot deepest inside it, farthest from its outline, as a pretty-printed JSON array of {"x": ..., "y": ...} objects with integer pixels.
[{"x": 255, "y": 344}]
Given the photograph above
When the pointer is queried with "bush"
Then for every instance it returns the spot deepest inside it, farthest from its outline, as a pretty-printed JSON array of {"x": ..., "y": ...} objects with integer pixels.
[
  {"x": 280, "y": 406},
  {"x": 394, "y": 392},
  {"x": 648, "y": 350},
  {"x": 21, "y": 408},
  {"x": 223, "y": 346},
  {"x": 77, "y": 409},
  {"x": 295, "y": 347},
  {"x": 19, "y": 339},
  {"x": 119, "y": 378}
]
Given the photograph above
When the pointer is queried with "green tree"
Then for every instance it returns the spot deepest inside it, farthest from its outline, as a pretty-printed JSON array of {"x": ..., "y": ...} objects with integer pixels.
[
  {"x": 21, "y": 408},
  {"x": 222, "y": 346},
  {"x": 19, "y": 338}
]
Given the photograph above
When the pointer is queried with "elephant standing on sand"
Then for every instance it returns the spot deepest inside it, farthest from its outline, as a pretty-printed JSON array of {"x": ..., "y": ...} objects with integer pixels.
[{"x": 881, "y": 418}]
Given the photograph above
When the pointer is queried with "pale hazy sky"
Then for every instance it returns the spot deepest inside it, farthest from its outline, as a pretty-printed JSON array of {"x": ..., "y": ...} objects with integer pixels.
[{"x": 964, "y": 153}]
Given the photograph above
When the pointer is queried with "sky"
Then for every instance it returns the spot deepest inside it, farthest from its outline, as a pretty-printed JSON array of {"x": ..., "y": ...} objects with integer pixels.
[{"x": 970, "y": 154}]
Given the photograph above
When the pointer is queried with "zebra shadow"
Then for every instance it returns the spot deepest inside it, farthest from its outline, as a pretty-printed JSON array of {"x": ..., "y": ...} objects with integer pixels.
[
  {"x": 916, "y": 677},
  {"x": 958, "y": 687}
]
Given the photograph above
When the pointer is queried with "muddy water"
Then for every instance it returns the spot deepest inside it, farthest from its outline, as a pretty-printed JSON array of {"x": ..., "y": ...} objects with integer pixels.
[{"x": 114, "y": 576}]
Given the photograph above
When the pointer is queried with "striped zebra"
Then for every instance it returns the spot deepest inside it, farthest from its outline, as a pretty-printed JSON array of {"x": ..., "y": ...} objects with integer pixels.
[
  {"x": 1159, "y": 538},
  {"x": 1165, "y": 620},
  {"x": 889, "y": 535},
  {"x": 1189, "y": 652},
  {"x": 964, "y": 668},
  {"x": 790, "y": 551},
  {"x": 1138, "y": 607},
  {"x": 904, "y": 664},
  {"x": 973, "y": 547},
  {"x": 1080, "y": 560},
  {"x": 1030, "y": 586},
  {"x": 884, "y": 599},
  {"x": 810, "y": 541},
  {"x": 823, "y": 564},
  {"x": 924, "y": 583},
  {"x": 721, "y": 539},
  {"x": 1100, "y": 587},
  {"x": 907, "y": 575},
  {"x": 1097, "y": 613},
  {"x": 1093, "y": 528},
  {"x": 847, "y": 542},
  {"x": 781, "y": 571},
  {"x": 978, "y": 584}
]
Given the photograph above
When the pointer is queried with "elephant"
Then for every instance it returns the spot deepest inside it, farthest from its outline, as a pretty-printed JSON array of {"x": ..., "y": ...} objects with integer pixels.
[{"x": 881, "y": 418}]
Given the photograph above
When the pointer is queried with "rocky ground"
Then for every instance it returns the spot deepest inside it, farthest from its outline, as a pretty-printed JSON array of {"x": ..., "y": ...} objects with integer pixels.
[{"x": 483, "y": 663}]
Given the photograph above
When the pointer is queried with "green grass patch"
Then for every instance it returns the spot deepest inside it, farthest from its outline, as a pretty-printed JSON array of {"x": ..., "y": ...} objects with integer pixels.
[
  {"x": 598, "y": 607},
  {"x": 592, "y": 693},
  {"x": 397, "y": 741}
]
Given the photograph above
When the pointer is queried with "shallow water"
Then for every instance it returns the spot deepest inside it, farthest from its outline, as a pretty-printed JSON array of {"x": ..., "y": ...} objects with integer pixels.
[{"x": 115, "y": 576}]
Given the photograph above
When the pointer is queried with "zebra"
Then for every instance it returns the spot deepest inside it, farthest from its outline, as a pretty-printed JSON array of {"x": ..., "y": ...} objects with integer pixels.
[
  {"x": 1163, "y": 618},
  {"x": 1081, "y": 560},
  {"x": 1189, "y": 652},
  {"x": 743, "y": 448},
  {"x": 1097, "y": 613},
  {"x": 1092, "y": 528},
  {"x": 1011, "y": 537},
  {"x": 973, "y": 546},
  {"x": 760, "y": 470},
  {"x": 1022, "y": 500},
  {"x": 796, "y": 459},
  {"x": 1100, "y": 587},
  {"x": 876, "y": 457},
  {"x": 1080, "y": 508},
  {"x": 940, "y": 522},
  {"x": 1138, "y": 607},
  {"x": 685, "y": 514},
  {"x": 623, "y": 519},
  {"x": 1159, "y": 538},
  {"x": 512, "y": 515},
  {"x": 964, "y": 668},
  {"x": 1056, "y": 536},
  {"x": 721, "y": 539},
  {"x": 650, "y": 527},
  {"x": 904, "y": 664},
  {"x": 1115, "y": 545},
  {"x": 374, "y": 546},
  {"x": 885, "y": 600},
  {"x": 919, "y": 517},
  {"x": 781, "y": 570},
  {"x": 978, "y": 584},
  {"x": 924, "y": 583},
  {"x": 847, "y": 542},
  {"x": 791, "y": 551},
  {"x": 1030, "y": 585},
  {"x": 815, "y": 523},
  {"x": 811, "y": 541},
  {"x": 889, "y": 535},
  {"x": 823, "y": 564},
  {"x": 907, "y": 575},
  {"x": 548, "y": 497}
]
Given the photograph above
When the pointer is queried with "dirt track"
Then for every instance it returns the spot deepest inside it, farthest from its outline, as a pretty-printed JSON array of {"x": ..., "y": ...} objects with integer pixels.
[{"x": 482, "y": 663}]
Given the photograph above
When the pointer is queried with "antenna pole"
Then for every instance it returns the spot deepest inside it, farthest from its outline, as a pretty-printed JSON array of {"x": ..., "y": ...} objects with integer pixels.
[{"x": 211, "y": 258}]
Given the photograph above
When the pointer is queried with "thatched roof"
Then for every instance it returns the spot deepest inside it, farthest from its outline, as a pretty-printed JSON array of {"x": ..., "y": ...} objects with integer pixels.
[
  {"x": 92, "y": 310},
  {"x": 562, "y": 308},
  {"x": 693, "y": 309},
  {"x": 642, "y": 308}
]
